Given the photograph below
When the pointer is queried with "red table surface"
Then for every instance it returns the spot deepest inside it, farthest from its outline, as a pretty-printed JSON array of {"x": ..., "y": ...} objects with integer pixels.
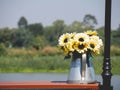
[{"x": 46, "y": 84}]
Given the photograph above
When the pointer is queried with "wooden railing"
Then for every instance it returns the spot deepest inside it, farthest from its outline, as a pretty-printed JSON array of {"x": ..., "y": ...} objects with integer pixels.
[{"x": 47, "y": 85}]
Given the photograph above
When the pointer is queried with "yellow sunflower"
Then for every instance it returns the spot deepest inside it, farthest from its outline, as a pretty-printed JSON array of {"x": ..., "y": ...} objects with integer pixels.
[
  {"x": 97, "y": 40},
  {"x": 91, "y": 33},
  {"x": 64, "y": 49},
  {"x": 81, "y": 47},
  {"x": 64, "y": 39},
  {"x": 81, "y": 38},
  {"x": 70, "y": 45},
  {"x": 100, "y": 43},
  {"x": 95, "y": 52},
  {"x": 72, "y": 35},
  {"x": 94, "y": 47}
]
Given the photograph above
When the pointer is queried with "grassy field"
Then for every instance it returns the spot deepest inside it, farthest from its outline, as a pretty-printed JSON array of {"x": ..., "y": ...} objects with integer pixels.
[
  {"x": 115, "y": 64},
  {"x": 22, "y": 60}
]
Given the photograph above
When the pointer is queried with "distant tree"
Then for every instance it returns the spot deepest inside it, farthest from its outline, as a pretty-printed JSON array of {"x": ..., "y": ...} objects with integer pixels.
[
  {"x": 50, "y": 35},
  {"x": 36, "y": 29},
  {"x": 39, "y": 42},
  {"x": 89, "y": 21},
  {"x": 115, "y": 37},
  {"x": 118, "y": 27},
  {"x": 76, "y": 26},
  {"x": 21, "y": 38},
  {"x": 52, "y": 32},
  {"x": 101, "y": 33},
  {"x": 22, "y": 23},
  {"x": 58, "y": 27},
  {"x": 5, "y": 36}
]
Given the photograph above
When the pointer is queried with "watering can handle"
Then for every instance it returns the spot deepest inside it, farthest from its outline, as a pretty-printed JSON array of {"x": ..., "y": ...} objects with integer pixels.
[{"x": 83, "y": 66}]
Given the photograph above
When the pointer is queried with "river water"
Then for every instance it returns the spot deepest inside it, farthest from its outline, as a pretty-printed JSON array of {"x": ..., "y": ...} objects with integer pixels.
[{"x": 115, "y": 81}]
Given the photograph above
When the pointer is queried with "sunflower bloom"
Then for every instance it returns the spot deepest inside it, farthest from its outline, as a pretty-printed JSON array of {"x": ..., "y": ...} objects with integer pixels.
[
  {"x": 69, "y": 47},
  {"x": 91, "y": 33},
  {"x": 92, "y": 45},
  {"x": 72, "y": 35},
  {"x": 81, "y": 38},
  {"x": 66, "y": 51},
  {"x": 64, "y": 39},
  {"x": 81, "y": 47},
  {"x": 95, "y": 52},
  {"x": 97, "y": 40},
  {"x": 63, "y": 49}
]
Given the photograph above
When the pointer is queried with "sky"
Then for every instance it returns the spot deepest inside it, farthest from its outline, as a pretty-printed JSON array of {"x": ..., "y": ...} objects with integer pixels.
[{"x": 47, "y": 11}]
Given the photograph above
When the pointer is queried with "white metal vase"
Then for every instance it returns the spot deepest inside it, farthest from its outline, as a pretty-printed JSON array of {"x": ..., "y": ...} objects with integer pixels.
[{"x": 81, "y": 69}]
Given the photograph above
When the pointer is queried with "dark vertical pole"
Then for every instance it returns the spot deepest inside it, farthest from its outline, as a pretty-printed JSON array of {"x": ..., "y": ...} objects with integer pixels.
[{"x": 106, "y": 74}]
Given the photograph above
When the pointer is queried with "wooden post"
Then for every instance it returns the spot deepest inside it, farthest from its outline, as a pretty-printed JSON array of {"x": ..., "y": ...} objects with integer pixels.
[{"x": 106, "y": 74}]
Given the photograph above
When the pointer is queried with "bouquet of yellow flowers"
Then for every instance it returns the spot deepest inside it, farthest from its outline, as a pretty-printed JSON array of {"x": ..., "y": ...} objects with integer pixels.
[{"x": 84, "y": 42}]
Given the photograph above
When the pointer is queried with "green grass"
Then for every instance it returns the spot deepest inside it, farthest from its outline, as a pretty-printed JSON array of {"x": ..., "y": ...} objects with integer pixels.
[
  {"x": 115, "y": 64},
  {"x": 33, "y": 64},
  {"x": 54, "y": 63}
]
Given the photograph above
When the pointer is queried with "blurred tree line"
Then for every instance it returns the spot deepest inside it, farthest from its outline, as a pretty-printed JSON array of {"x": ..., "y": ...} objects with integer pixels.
[{"x": 38, "y": 36}]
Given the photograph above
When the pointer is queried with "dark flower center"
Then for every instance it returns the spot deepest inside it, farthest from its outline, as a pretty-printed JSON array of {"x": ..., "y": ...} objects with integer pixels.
[
  {"x": 81, "y": 46},
  {"x": 66, "y": 40},
  {"x": 81, "y": 39},
  {"x": 90, "y": 35},
  {"x": 92, "y": 46},
  {"x": 72, "y": 37},
  {"x": 62, "y": 47}
]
